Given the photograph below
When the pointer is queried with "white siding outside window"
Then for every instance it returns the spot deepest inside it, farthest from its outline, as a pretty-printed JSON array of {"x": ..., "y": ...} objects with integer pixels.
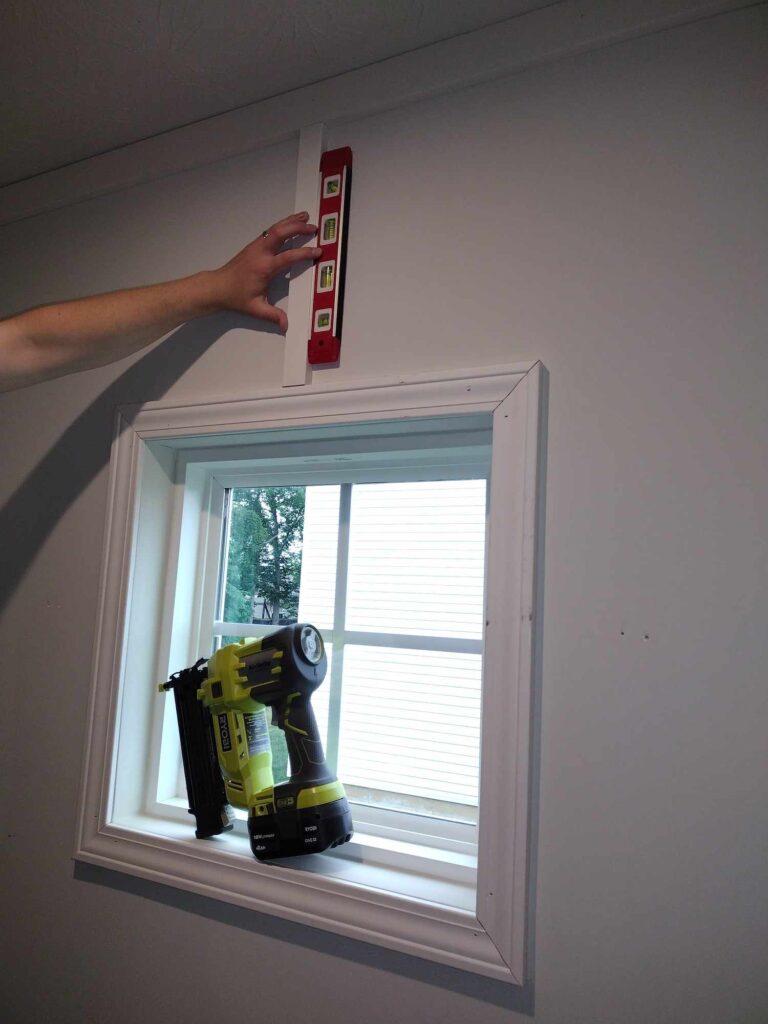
[
  {"x": 417, "y": 558},
  {"x": 318, "y": 566},
  {"x": 410, "y": 722}
]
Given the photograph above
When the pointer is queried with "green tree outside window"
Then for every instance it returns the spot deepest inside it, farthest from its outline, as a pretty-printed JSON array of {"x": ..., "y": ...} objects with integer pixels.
[
  {"x": 264, "y": 557},
  {"x": 264, "y": 569}
]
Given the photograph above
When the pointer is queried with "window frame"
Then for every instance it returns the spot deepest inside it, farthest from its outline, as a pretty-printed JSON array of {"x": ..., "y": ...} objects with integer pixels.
[
  {"x": 407, "y": 845},
  {"x": 489, "y": 940}
]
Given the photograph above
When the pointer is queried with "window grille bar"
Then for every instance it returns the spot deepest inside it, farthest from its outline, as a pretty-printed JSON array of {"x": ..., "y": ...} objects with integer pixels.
[
  {"x": 449, "y": 644},
  {"x": 339, "y": 617}
]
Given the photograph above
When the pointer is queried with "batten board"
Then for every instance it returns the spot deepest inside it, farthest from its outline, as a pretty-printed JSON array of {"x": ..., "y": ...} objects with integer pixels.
[{"x": 296, "y": 370}]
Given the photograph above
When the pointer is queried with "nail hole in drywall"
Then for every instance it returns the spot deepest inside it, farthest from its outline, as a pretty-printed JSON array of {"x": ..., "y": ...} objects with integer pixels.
[
  {"x": 646, "y": 636},
  {"x": 622, "y": 633}
]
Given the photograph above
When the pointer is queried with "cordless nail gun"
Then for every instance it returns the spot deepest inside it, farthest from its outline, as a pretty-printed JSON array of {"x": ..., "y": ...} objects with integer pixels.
[{"x": 221, "y": 707}]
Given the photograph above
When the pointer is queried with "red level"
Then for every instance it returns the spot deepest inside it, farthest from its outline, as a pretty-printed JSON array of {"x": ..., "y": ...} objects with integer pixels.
[{"x": 332, "y": 231}]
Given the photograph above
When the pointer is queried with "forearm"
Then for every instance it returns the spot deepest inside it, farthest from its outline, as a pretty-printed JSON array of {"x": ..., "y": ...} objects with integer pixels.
[
  {"x": 84, "y": 333},
  {"x": 69, "y": 336}
]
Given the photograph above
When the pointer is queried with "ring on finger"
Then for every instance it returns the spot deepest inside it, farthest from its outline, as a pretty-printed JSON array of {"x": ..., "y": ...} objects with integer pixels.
[{"x": 265, "y": 234}]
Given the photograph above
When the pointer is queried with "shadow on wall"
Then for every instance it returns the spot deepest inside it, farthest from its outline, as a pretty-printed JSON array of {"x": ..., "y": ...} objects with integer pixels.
[
  {"x": 487, "y": 990},
  {"x": 83, "y": 449}
]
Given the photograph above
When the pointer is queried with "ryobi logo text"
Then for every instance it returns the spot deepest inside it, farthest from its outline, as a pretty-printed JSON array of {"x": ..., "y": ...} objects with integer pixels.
[{"x": 224, "y": 733}]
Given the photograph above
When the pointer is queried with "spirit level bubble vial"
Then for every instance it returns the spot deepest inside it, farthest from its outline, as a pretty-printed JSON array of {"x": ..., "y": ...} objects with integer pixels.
[{"x": 333, "y": 228}]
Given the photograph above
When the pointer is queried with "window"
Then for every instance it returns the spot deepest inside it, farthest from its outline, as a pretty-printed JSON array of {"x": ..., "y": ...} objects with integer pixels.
[{"x": 378, "y": 498}]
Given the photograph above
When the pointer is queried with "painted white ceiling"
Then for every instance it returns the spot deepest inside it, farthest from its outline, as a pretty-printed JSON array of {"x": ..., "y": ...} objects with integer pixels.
[{"x": 80, "y": 77}]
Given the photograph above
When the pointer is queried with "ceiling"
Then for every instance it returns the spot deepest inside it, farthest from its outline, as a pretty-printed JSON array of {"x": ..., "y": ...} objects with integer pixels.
[{"x": 80, "y": 77}]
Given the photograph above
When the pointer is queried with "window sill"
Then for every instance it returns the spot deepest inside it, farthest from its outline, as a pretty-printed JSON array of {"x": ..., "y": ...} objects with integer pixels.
[
  {"x": 356, "y": 895},
  {"x": 408, "y": 869}
]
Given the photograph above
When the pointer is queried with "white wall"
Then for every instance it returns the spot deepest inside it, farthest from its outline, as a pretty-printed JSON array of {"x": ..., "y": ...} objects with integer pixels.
[{"x": 606, "y": 214}]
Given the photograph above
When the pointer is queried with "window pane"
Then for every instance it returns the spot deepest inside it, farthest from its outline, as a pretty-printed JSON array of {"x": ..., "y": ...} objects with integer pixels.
[
  {"x": 410, "y": 722},
  {"x": 416, "y": 562},
  {"x": 281, "y": 559},
  {"x": 318, "y": 570},
  {"x": 263, "y": 563}
]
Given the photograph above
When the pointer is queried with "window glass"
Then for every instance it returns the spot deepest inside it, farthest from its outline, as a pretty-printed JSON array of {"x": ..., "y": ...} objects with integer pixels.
[
  {"x": 410, "y": 723},
  {"x": 263, "y": 560},
  {"x": 318, "y": 571},
  {"x": 416, "y": 559}
]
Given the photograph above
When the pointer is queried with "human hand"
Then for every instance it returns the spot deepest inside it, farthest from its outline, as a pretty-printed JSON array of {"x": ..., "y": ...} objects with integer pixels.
[{"x": 242, "y": 283}]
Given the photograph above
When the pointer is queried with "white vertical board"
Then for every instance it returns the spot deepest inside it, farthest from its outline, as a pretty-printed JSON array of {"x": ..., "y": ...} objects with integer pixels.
[{"x": 295, "y": 367}]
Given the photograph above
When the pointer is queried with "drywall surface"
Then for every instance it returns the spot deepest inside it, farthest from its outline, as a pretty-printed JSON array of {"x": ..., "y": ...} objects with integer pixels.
[{"x": 606, "y": 214}]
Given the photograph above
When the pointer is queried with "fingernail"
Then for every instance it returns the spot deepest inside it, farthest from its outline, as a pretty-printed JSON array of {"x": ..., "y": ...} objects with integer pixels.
[
  {"x": 304, "y": 214},
  {"x": 317, "y": 252}
]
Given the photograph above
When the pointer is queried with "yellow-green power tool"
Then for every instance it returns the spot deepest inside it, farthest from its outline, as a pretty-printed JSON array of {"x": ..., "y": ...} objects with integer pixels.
[{"x": 221, "y": 707}]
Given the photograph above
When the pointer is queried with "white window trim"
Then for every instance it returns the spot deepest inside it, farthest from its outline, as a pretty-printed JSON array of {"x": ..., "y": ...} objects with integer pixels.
[{"x": 492, "y": 940}]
